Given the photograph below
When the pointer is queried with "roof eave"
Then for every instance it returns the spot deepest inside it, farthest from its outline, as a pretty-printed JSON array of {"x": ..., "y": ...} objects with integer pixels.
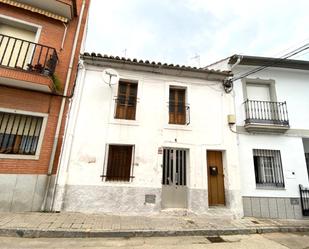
[
  {"x": 270, "y": 62},
  {"x": 123, "y": 63}
]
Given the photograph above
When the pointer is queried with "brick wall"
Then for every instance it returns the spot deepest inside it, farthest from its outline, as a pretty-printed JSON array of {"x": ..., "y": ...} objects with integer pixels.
[{"x": 51, "y": 35}]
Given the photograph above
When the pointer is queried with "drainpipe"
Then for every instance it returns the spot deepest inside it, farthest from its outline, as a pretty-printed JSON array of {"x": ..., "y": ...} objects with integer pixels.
[
  {"x": 64, "y": 35},
  {"x": 69, "y": 74},
  {"x": 68, "y": 140}
]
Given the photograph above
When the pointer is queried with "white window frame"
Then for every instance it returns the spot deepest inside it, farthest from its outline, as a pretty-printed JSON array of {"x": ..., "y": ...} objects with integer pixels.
[
  {"x": 113, "y": 106},
  {"x": 265, "y": 167},
  {"x": 41, "y": 136},
  {"x": 182, "y": 85},
  {"x": 22, "y": 24}
]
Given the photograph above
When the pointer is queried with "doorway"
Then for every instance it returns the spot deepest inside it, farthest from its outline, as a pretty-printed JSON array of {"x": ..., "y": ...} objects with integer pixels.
[
  {"x": 216, "y": 195},
  {"x": 174, "y": 178}
]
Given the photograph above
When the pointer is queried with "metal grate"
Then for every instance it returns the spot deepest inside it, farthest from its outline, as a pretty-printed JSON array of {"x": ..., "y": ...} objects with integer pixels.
[
  {"x": 174, "y": 167},
  {"x": 19, "y": 134},
  {"x": 266, "y": 112},
  {"x": 26, "y": 55},
  {"x": 268, "y": 168},
  {"x": 304, "y": 198},
  {"x": 215, "y": 239}
]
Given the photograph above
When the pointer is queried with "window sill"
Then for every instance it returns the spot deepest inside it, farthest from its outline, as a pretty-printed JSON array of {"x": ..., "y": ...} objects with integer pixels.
[
  {"x": 125, "y": 122},
  {"x": 270, "y": 188},
  {"x": 178, "y": 127},
  {"x": 19, "y": 157}
]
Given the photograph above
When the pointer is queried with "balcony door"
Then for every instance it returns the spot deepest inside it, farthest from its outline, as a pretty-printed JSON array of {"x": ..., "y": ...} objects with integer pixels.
[
  {"x": 258, "y": 92},
  {"x": 15, "y": 49},
  {"x": 177, "y": 106},
  {"x": 262, "y": 103}
]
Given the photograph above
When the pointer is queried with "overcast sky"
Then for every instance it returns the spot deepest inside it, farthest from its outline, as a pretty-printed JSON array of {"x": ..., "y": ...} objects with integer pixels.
[{"x": 175, "y": 31}]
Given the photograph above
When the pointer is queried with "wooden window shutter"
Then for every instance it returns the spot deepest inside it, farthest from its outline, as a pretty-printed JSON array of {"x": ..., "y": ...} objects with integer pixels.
[
  {"x": 126, "y": 101},
  {"x": 177, "y": 106},
  {"x": 119, "y": 163}
]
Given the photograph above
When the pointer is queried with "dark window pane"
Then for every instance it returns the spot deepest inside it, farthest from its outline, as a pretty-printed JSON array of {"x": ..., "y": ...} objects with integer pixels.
[
  {"x": 19, "y": 133},
  {"x": 268, "y": 167},
  {"x": 119, "y": 163}
]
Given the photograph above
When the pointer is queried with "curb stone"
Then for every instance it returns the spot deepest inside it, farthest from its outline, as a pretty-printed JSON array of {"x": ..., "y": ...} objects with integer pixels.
[{"x": 36, "y": 233}]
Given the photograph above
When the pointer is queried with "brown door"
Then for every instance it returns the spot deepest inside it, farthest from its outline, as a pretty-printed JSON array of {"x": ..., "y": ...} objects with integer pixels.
[{"x": 215, "y": 178}]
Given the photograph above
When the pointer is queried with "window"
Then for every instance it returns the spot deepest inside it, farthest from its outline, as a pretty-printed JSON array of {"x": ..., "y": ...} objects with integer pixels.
[
  {"x": 119, "y": 163},
  {"x": 19, "y": 134},
  {"x": 177, "y": 106},
  {"x": 307, "y": 162},
  {"x": 268, "y": 168},
  {"x": 126, "y": 101}
]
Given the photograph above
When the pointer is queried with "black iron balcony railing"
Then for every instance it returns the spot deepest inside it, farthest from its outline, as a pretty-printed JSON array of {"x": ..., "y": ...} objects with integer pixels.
[
  {"x": 26, "y": 55},
  {"x": 266, "y": 112}
]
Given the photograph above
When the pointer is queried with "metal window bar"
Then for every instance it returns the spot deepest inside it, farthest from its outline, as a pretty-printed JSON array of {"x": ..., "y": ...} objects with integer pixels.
[
  {"x": 19, "y": 134},
  {"x": 179, "y": 113},
  {"x": 27, "y": 55},
  {"x": 266, "y": 112},
  {"x": 304, "y": 199},
  {"x": 174, "y": 167},
  {"x": 268, "y": 168}
]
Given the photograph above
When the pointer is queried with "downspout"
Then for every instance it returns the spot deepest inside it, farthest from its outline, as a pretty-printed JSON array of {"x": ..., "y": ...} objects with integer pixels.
[
  {"x": 69, "y": 135},
  {"x": 69, "y": 74},
  {"x": 64, "y": 35}
]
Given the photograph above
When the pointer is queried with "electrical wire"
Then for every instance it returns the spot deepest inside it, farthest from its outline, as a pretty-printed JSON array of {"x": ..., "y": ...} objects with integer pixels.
[{"x": 284, "y": 57}]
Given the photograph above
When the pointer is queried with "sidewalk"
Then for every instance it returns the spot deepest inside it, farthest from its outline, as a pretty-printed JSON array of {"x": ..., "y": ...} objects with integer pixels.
[{"x": 99, "y": 225}]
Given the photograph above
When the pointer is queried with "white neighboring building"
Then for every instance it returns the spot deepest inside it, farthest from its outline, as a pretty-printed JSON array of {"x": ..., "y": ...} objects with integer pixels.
[
  {"x": 157, "y": 139},
  {"x": 272, "y": 110}
]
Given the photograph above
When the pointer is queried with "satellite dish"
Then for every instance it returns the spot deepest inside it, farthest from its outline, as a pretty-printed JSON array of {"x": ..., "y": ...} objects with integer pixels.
[{"x": 110, "y": 76}]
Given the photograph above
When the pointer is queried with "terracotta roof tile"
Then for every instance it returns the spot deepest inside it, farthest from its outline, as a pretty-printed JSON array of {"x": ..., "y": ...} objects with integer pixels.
[{"x": 147, "y": 62}]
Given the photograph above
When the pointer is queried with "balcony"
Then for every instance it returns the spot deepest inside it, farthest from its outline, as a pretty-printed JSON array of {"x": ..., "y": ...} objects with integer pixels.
[
  {"x": 31, "y": 63},
  {"x": 64, "y": 10},
  {"x": 266, "y": 116}
]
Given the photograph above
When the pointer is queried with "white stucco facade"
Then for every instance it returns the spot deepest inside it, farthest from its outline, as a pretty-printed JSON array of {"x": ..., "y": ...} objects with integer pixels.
[
  {"x": 290, "y": 85},
  {"x": 92, "y": 127}
]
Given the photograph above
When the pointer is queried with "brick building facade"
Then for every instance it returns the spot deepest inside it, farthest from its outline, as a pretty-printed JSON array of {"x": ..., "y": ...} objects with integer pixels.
[{"x": 37, "y": 75}]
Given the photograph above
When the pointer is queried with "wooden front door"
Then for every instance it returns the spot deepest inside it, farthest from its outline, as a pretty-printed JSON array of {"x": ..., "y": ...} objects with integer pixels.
[{"x": 215, "y": 178}]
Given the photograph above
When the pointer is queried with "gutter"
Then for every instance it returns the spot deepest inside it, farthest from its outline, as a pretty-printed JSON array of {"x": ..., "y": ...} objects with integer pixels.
[{"x": 53, "y": 153}]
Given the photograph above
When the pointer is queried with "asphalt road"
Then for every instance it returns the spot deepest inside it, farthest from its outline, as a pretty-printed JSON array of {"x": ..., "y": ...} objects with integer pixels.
[{"x": 265, "y": 241}]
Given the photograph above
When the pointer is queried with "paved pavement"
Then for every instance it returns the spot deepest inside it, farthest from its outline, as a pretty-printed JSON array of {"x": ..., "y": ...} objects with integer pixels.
[
  {"x": 99, "y": 225},
  {"x": 271, "y": 240}
]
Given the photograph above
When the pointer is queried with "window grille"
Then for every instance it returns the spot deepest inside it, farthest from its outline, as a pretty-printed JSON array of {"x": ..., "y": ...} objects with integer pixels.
[
  {"x": 268, "y": 168},
  {"x": 19, "y": 134}
]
